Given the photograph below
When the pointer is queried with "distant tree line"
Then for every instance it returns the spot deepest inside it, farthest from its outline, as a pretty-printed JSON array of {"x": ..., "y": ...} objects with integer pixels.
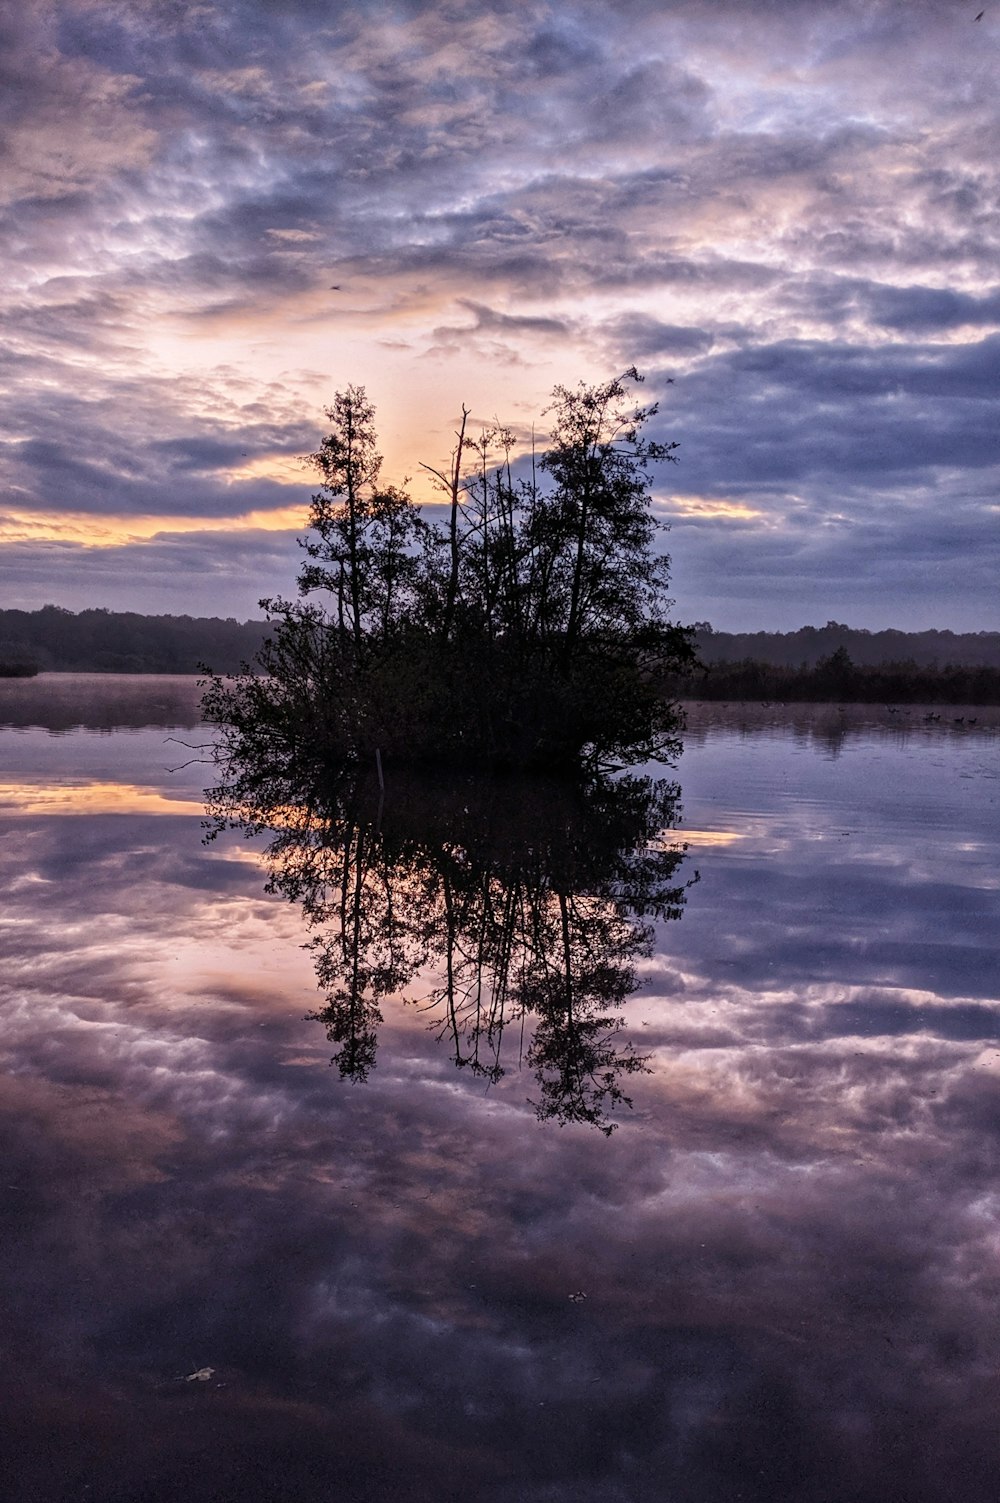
[
  {"x": 838, "y": 677},
  {"x": 892, "y": 666},
  {"x": 103, "y": 641},
  {"x": 809, "y": 645}
]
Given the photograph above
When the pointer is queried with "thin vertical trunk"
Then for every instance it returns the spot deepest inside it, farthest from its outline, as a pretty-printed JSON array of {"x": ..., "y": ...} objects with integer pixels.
[
  {"x": 350, "y": 467},
  {"x": 455, "y": 488},
  {"x": 573, "y": 620}
]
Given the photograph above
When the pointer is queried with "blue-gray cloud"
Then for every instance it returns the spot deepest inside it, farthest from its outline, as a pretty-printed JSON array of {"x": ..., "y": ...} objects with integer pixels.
[
  {"x": 218, "y": 573},
  {"x": 790, "y": 211},
  {"x": 782, "y": 1263}
]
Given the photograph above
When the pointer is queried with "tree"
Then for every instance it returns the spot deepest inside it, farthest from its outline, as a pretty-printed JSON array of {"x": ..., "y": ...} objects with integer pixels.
[
  {"x": 513, "y": 914},
  {"x": 599, "y": 512},
  {"x": 527, "y": 633},
  {"x": 362, "y": 551}
]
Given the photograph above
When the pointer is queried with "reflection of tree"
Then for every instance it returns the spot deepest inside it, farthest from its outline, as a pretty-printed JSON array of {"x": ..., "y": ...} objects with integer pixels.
[{"x": 528, "y": 903}]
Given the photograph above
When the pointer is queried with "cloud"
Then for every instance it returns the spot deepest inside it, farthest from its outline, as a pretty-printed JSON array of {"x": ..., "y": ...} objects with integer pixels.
[
  {"x": 798, "y": 1211},
  {"x": 640, "y": 337},
  {"x": 224, "y": 574},
  {"x": 104, "y": 451},
  {"x": 793, "y": 210},
  {"x": 882, "y": 502},
  {"x": 930, "y": 309}
]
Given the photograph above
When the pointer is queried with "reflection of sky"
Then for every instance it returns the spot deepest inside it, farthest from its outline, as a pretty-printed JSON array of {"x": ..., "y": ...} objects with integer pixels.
[{"x": 789, "y": 1251}]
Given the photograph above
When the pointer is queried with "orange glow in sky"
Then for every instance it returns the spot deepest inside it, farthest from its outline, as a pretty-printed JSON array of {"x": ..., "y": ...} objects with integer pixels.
[{"x": 227, "y": 214}]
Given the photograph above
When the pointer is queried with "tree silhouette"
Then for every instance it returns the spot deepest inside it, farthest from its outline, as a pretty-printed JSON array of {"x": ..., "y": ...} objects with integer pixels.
[
  {"x": 524, "y": 634},
  {"x": 529, "y": 902}
]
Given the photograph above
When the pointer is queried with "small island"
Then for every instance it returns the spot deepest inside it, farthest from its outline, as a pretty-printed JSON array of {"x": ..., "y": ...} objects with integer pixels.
[
  {"x": 527, "y": 634},
  {"x": 428, "y": 734}
]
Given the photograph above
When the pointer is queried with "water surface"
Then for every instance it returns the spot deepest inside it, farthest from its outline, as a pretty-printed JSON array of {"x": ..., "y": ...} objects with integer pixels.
[{"x": 777, "y": 1280}]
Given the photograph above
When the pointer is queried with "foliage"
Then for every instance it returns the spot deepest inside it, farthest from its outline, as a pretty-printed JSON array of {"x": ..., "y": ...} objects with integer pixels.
[
  {"x": 522, "y": 634},
  {"x": 102, "y": 641},
  {"x": 868, "y": 649},
  {"x": 510, "y": 912},
  {"x": 839, "y": 677}
]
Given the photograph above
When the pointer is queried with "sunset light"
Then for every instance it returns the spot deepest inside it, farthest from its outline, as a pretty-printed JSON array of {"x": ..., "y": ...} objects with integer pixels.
[{"x": 779, "y": 213}]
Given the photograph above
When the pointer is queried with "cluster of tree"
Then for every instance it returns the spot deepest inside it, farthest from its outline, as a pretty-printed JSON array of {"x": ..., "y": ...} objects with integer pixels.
[
  {"x": 810, "y": 644},
  {"x": 102, "y": 641},
  {"x": 529, "y": 902},
  {"x": 839, "y": 677},
  {"x": 522, "y": 634}
]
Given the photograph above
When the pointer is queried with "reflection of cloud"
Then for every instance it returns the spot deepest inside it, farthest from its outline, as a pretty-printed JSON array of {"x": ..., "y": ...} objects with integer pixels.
[
  {"x": 89, "y": 798},
  {"x": 789, "y": 1251},
  {"x": 696, "y": 838}
]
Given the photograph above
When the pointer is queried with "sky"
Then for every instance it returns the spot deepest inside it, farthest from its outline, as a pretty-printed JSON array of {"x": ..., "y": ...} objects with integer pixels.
[{"x": 215, "y": 216}]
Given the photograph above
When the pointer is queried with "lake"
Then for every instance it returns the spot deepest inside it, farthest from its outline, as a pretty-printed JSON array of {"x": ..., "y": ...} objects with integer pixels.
[{"x": 233, "y": 1272}]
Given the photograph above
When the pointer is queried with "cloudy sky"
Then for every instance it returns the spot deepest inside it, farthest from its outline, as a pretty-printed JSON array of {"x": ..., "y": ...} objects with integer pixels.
[{"x": 215, "y": 215}]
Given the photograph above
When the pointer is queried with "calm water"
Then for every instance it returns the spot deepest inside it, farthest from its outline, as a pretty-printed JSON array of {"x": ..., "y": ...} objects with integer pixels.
[{"x": 779, "y": 1279}]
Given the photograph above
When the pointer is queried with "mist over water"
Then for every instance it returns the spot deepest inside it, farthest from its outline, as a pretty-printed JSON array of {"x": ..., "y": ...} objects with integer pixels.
[{"x": 777, "y": 1279}]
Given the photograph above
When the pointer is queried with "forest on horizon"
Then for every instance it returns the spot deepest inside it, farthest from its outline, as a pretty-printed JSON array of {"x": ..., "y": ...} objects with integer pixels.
[
  {"x": 809, "y": 645},
  {"x": 54, "y": 639}
]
